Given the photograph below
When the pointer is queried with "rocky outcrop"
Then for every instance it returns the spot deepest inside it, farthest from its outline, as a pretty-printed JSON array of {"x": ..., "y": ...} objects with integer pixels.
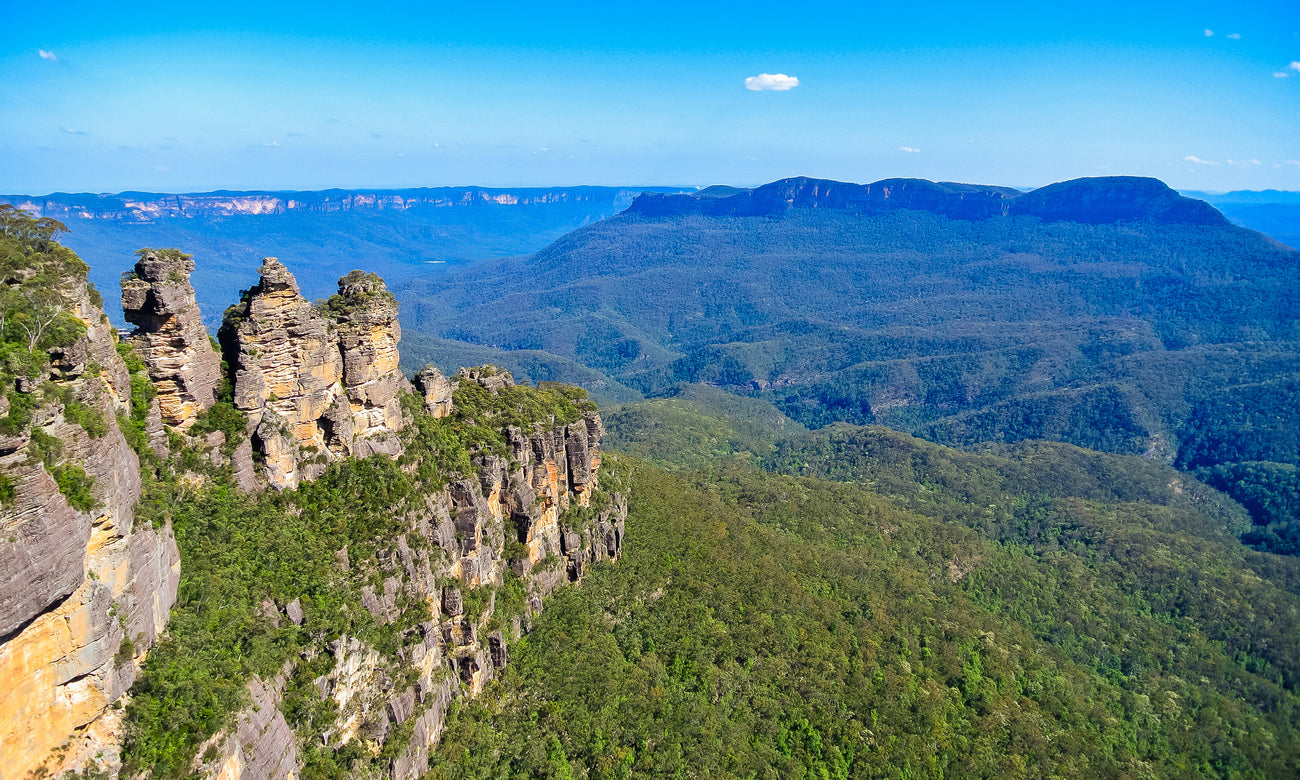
[
  {"x": 368, "y": 332},
  {"x": 262, "y": 745},
  {"x": 536, "y": 513},
  {"x": 316, "y": 385},
  {"x": 158, "y": 300},
  {"x": 436, "y": 389},
  {"x": 84, "y": 591}
]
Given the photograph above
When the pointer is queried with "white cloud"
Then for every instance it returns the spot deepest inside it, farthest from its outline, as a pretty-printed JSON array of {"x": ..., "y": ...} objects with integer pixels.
[
  {"x": 1194, "y": 159},
  {"x": 48, "y": 55},
  {"x": 771, "y": 82},
  {"x": 71, "y": 131},
  {"x": 908, "y": 149},
  {"x": 1209, "y": 33},
  {"x": 1295, "y": 66},
  {"x": 1296, "y": 163},
  {"x": 1247, "y": 163},
  {"x": 1280, "y": 74},
  {"x": 1234, "y": 36},
  {"x": 272, "y": 145}
]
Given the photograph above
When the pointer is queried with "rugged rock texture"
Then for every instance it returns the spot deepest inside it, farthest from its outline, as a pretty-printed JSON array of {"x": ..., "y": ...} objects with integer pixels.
[
  {"x": 368, "y": 333},
  {"x": 436, "y": 391},
  {"x": 158, "y": 300},
  {"x": 83, "y": 594},
  {"x": 262, "y": 745},
  {"x": 537, "y": 513},
  {"x": 316, "y": 385}
]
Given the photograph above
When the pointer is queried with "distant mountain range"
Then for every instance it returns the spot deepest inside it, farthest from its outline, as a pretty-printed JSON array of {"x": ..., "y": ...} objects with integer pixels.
[
  {"x": 1110, "y": 313},
  {"x": 320, "y": 235},
  {"x": 1093, "y": 201}
]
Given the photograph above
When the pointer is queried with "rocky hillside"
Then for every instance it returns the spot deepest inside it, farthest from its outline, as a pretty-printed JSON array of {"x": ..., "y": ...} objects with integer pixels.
[
  {"x": 371, "y": 593},
  {"x": 84, "y": 587}
]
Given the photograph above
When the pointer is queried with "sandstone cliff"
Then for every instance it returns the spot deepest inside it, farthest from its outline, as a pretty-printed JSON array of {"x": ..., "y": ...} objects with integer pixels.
[
  {"x": 316, "y": 385},
  {"x": 84, "y": 590},
  {"x": 533, "y": 516},
  {"x": 498, "y": 498}
]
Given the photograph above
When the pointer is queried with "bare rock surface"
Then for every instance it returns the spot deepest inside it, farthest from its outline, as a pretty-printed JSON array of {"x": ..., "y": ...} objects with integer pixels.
[
  {"x": 84, "y": 593},
  {"x": 317, "y": 385},
  {"x": 158, "y": 299}
]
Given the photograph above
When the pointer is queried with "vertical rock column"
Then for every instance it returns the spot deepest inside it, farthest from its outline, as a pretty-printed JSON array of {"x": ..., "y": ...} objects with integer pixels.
[
  {"x": 287, "y": 371},
  {"x": 366, "y": 313},
  {"x": 84, "y": 592},
  {"x": 317, "y": 385},
  {"x": 158, "y": 300}
]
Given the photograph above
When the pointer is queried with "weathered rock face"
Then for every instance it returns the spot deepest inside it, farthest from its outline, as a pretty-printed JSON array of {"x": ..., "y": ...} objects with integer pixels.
[
  {"x": 513, "y": 517},
  {"x": 83, "y": 593},
  {"x": 436, "y": 390},
  {"x": 368, "y": 334},
  {"x": 316, "y": 385},
  {"x": 158, "y": 300}
]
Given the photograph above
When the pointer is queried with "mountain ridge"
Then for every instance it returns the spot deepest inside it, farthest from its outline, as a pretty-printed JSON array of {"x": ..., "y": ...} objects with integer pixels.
[
  {"x": 146, "y": 206},
  {"x": 1096, "y": 200}
]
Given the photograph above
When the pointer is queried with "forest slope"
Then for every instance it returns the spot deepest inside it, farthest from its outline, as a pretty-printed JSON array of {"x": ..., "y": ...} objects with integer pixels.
[{"x": 1109, "y": 313}]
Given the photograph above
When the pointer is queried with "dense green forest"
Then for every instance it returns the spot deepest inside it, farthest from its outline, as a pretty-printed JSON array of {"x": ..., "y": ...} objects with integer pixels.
[
  {"x": 1156, "y": 337},
  {"x": 1094, "y": 622}
]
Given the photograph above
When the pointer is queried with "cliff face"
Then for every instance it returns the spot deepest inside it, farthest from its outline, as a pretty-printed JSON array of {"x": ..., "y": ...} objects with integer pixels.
[
  {"x": 316, "y": 385},
  {"x": 159, "y": 301},
  {"x": 146, "y": 206},
  {"x": 534, "y": 514},
  {"x": 84, "y": 590}
]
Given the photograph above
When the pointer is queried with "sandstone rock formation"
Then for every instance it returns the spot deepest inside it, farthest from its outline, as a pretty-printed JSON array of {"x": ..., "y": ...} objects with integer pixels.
[
  {"x": 536, "y": 512},
  {"x": 316, "y": 385},
  {"x": 83, "y": 592},
  {"x": 169, "y": 335},
  {"x": 436, "y": 390}
]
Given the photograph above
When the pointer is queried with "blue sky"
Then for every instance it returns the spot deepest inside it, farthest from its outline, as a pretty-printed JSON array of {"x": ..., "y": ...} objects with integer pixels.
[{"x": 105, "y": 97}]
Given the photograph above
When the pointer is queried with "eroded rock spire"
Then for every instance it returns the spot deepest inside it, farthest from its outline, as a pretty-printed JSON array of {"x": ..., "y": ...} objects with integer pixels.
[
  {"x": 158, "y": 299},
  {"x": 317, "y": 384}
]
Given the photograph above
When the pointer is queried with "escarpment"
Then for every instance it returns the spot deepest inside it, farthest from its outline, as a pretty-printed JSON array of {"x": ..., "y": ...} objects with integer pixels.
[
  {"x": 317, "y": 385},
  {"x": 461, "y": 575},
  {"x": 84, "y": 589},
  {"x": 366, "y": 594}
]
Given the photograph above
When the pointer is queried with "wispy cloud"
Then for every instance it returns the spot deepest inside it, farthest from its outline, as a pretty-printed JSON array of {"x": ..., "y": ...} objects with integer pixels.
[
  {"x": 270, "y": 145},
  {"x": 1295, "y": 66},
  {"x": 908, "y": 149},
  {"x": 1295, "y": 163},
  {"x": 771, "y": 82},
  {"x": 1194, "y": 159},
  {"x": 1234, "y": 36},
  {"x": 1209, "y": 33},
  {"x": 1280, "y": 74},
  {"x": 48, "y": 55},
  {"x": 71, "y": 131},
  {"x": 1251, "y": 163}
]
